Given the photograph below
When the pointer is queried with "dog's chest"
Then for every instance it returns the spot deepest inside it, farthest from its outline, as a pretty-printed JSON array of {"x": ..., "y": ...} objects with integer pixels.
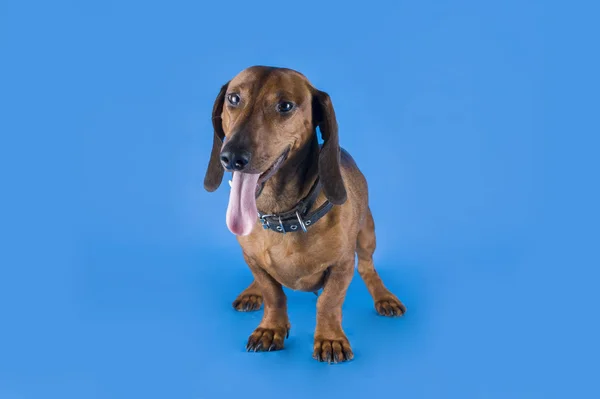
[{"x": 297, "y": 265}]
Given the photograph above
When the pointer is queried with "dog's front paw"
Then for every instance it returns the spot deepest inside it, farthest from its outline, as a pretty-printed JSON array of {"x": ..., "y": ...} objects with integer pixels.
[
  {"x": 248, "y": 302},
  {"x": 390, "y": 306},
  {"x": 267, "y": 339},
  {"x": 332, "y": 350}
]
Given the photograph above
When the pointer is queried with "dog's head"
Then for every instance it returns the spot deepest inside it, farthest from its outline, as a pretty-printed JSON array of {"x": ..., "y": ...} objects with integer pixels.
[{"x": 260, "y": 118}]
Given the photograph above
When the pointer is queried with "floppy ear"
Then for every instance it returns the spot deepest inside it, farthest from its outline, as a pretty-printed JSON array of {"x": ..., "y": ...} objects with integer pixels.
[
  {"x": 330, "y": 173},
  {"x": 215, "y": 171}
]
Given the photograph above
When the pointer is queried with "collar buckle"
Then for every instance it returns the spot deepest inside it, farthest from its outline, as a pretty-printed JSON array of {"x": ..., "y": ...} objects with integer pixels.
[{"x": 263, "y": 221}]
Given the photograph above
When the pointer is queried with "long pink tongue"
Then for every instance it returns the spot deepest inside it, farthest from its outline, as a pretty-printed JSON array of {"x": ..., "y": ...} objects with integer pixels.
[{"x": 241, "y": 211}]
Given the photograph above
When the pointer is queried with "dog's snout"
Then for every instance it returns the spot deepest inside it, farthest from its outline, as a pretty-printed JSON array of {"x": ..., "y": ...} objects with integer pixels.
[{"x": 235, "y": 160}]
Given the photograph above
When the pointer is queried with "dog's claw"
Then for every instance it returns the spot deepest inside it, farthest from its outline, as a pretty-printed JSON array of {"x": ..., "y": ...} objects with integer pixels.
[{"x": 348, "y": 355}]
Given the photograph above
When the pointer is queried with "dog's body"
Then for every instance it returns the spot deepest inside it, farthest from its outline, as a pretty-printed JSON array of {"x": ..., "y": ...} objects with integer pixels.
[{"x": 269, "y": 124}]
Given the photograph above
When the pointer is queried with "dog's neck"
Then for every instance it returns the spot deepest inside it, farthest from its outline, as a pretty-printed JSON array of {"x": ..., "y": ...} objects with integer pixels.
[{"x": 292, "y": 181}]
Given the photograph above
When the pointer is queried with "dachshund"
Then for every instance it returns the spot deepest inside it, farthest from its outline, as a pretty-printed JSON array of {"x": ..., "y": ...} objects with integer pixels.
[{"x": 299, "y": 209}]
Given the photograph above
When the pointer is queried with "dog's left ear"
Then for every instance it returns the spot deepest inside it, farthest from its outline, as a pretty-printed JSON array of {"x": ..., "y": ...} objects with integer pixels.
[
  {"x": 329, "y": 158},
  {"x": 215, "y": 171}
]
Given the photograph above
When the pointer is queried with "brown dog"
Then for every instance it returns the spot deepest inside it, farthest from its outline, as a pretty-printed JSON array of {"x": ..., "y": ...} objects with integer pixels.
[{"x": 300, "y": 211}]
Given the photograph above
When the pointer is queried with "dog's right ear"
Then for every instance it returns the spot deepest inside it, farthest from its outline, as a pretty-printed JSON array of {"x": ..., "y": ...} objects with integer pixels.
[{"x": 215, "y": 171}]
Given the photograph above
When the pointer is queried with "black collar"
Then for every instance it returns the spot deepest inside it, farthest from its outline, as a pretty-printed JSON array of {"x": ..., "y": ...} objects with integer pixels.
[{"x": 298, "y": 218}]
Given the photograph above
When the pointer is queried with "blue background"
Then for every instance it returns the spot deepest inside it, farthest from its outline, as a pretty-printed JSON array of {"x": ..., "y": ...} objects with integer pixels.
[{"x": 473, "y": 121}]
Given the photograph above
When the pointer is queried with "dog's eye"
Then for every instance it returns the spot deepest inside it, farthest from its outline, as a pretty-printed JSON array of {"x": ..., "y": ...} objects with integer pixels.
[
  {"x": 234, "y": 99},
  {"x": 285, "y": 106}
]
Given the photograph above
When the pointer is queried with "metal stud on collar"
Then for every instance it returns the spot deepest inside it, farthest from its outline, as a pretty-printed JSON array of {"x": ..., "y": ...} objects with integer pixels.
[{"x": 301, "y": 222}]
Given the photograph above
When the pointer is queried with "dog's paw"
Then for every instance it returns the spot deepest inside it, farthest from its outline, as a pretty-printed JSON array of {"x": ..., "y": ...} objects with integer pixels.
[
  {"x": 332, "y": 350},
  {"x": 267, "y": 339},
  {"x": 390, "y": 306},
  {"x": 248, "y": 302}
]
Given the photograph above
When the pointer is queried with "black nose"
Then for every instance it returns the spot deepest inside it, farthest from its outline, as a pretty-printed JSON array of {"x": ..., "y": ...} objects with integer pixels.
[{"x": 235, "y": 160}]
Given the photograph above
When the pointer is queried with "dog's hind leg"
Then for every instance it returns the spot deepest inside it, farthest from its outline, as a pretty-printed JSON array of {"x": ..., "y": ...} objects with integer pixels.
[
  {"x": 386, "y": 303},
  {"x": 249, "y": 300}
]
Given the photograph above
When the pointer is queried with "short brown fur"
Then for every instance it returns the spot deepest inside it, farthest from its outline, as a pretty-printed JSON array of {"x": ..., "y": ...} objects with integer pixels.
[{"x": 324, "y": 257}]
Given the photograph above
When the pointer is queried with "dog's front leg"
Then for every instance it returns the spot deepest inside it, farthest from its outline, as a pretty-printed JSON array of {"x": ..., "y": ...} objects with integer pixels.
[
  {"x": 331, "y": 344},
  {"x": 275, "y": 325}
]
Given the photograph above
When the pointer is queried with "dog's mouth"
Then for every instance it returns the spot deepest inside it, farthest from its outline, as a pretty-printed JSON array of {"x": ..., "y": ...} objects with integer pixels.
[
  {"x": 245, "y": 188},
  {"x": 267, "y": 174}
]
